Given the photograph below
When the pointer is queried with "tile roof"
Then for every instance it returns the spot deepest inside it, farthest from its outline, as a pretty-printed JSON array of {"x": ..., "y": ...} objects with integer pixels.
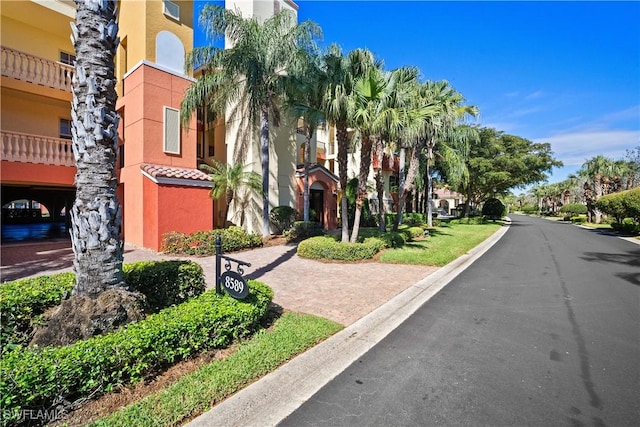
[{"x": 159, "y": 171}]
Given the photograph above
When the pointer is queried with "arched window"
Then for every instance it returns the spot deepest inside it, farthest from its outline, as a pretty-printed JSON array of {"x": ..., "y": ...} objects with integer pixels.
[{"x": 170, "y": 51}]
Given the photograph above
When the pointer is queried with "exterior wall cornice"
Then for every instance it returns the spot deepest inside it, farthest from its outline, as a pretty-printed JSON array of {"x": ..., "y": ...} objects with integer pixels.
[{"x": 157, "y": 67}]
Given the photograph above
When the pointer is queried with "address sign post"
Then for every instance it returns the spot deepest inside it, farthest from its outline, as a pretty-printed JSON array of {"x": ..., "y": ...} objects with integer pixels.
[{"x": 232, "y": 281}]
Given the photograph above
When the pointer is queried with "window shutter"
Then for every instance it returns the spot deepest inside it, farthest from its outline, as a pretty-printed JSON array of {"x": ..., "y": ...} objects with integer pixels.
[{"x": 171, "y": 130}]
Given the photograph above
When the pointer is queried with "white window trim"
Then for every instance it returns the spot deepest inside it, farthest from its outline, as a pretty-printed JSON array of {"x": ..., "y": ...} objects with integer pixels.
[
  {"x": 166, "y": 9},
  {"x": 166, "y": 129}
]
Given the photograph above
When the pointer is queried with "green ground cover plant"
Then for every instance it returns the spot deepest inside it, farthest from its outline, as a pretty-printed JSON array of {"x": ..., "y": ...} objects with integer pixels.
[
  {"x": 32, "y": 377},
  {"x": 164, "y": 283},
  {"x": 195, "y": 393}
]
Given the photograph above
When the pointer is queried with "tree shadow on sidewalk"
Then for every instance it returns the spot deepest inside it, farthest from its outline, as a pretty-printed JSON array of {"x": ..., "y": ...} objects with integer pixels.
[{"x": 256, "y": 274}]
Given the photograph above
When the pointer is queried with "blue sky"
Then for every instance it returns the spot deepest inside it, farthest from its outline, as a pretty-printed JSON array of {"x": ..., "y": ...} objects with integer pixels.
[{"x": 567, "y": 73}]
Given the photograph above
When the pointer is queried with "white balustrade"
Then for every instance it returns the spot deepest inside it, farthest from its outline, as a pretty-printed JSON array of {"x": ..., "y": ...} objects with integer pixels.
[
  {"x": 26, "y": 148},
  {"x": 29, "y": 68}
]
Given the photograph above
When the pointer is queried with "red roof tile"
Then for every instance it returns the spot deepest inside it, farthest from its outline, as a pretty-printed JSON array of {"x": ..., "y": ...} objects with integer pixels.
[{"x": 159, "y": 171}]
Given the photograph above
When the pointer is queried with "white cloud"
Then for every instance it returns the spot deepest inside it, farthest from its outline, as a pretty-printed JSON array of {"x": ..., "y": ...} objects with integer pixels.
[
  {"x": 576, "y": 147},
  {"x": 535, "y": 95}
]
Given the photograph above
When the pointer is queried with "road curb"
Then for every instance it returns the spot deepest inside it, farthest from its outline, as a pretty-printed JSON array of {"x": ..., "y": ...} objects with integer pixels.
[{"x": 275, "y": 396}]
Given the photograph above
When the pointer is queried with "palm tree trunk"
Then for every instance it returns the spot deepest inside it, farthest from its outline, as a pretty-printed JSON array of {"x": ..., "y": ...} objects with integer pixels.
[
  {"x": 412, "y": 172},
  {"x": 96, "y": 221},
  {"x": 365, "y": 166},
  {"x": 307, "y": 156},
  {"x": 380, "y": 183},
  {"x": 343, "y": 142},
  {"x": 402, "y": 161},
  {"x": 264, "y": 156},
  {"x": 429, "y": 185}
]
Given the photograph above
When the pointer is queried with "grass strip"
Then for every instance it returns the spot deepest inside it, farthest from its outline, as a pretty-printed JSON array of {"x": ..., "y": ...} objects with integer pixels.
[
  {"x": 444, "y": 244},
  {"x": 197, "y": 392}
]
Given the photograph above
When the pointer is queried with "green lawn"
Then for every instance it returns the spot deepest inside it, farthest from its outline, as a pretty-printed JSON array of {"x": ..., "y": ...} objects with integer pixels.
[
  {"x": 443, "y": 245},
  {"x": 195, "y": 393}
]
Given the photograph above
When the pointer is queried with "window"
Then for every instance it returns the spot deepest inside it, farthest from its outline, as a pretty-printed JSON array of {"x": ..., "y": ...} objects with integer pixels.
[
  {"x": 171, "y": 9},
  {"x": 67, "y": 58},
  {"x": 65, "y": 129},
  {"x": 171, "y": 130}
]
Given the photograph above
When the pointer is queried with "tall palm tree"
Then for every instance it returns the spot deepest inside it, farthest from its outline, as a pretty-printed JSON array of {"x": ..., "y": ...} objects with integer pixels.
[
  {"x": 341, "y": 71},
  {"x": 597, "y": 172},
  {"x": 228, "y": 179},
  {"x": 250, "y": 75},
  {"x": 96, "y": 216},
  {"x": 367, "y": 111},
  {"x": 305, "y": 99}
]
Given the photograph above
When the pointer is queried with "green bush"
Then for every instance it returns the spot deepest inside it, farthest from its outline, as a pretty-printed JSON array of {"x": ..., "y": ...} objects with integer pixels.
[
  {"x": 282, "y": 218},
  {"x": 411, "y": 219},
  {"x": 474, "y": 220},
  {"x": 326, "y": 247},
  {"x": 303, "y": 230},
  {"x": 37, "y": 378},
  {"x": 493, "y": 209},
  {"x": 203, "y": 243},
  {"x": 574, "y": 208},
  {"x": 164, "y": 283},
  {"x": 529, "y": 209},
  {"x": 580, "y": 219},
  {"x": 626, "y": 226},
  {"x": 22, "y": 300},
  {"x": 625, "y": 204}
]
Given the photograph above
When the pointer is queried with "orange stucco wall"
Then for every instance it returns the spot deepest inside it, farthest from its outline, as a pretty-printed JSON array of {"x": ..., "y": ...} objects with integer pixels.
[
  {"x": 32, "y": 173},
  {"x": 147, "y": 91},
  {"x": 330, "y": 208},
  {"x": 174, "y": 208}
]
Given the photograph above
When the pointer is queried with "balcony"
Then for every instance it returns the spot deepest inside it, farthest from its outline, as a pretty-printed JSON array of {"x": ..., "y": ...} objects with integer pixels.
[
  {"x": 44, "y": 72},
  {"x": 26, "y": 148}
]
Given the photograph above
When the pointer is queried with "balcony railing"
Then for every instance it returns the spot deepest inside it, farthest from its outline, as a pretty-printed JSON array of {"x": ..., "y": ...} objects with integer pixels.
[
  {"x": 26, "y": 148},
  {"x": 29, "y": 68}
]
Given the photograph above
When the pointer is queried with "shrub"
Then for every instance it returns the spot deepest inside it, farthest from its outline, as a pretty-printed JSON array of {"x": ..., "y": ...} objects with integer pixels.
[
  {"x": 578, "y": 219},
  {"x": 626, "y": 226},
  {"x": 163, "y": 283},
  {"x": 529, "y": 209},
  {"x": 203, "y": 243},
  {"x": 625, "y": 204},
  {"x": 411, "y": 219},
  {"x": 22, "y": 300},
  {"x": 36, "y": 378},
  {"x": 326, "y": 247},
  {"x": 303, "y": 230},
  {"x": 493, "y": 209},
  {"x": 574, "y": 208},
  {"x": 282, "y": 218}
]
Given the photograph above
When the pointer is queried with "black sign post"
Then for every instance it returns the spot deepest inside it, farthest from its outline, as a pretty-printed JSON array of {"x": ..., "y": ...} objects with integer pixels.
[{"x": 233, "y": 282}]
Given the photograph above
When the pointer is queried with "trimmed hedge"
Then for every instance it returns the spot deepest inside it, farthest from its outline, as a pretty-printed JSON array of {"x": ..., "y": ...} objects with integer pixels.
[
  {"x": 326, "y": 247},
  {"x": 164, "y": 283},
  {"x": 625, "y": 204},
  {"x": 37, "y": 378},
  {"x": 574, "y": 209},
  {"x": 22, "y": 300},
  {"x": 203, "y": 243},
  {"x": 494, "y": 209},
  {"x": 303, "y": 230}
]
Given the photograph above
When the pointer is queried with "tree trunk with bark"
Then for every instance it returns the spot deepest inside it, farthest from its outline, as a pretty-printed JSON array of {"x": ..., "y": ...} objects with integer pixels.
[
  {"x": 100, "y": 301},
  {"x": 380, "y": 184},
  {"x": 343, "y": 144},
  {"x": 96, "y": 216},
  {"x": 365, "y": 166},
  {"x": 264, "y": 157}
]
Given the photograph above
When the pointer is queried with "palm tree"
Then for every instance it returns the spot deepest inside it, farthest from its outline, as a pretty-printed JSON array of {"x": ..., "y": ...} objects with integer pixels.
[
  {"x": 249, "y": 77},
  {"x": 305, "y": 97},
  {"x": 341, "y": 72},
  {"x": 228, "y": 180},
  {"x": 96, "y": 216},
  {"x": 597, "y": 172}
]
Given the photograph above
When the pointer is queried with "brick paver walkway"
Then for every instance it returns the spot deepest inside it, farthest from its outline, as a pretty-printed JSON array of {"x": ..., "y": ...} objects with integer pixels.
[{"x": 340, "y": 292}]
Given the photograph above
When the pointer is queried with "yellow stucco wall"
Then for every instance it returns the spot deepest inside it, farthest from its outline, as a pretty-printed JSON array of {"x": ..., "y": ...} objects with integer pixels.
[{"x": 33, "y": 114}]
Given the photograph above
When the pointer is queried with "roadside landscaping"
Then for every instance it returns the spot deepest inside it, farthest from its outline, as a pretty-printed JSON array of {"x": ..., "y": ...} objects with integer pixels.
[{"x": 247, "y": 359}]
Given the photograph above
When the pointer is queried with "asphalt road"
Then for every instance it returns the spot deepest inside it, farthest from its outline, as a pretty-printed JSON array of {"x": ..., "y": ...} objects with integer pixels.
[{"x": 543, "y": 330}]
